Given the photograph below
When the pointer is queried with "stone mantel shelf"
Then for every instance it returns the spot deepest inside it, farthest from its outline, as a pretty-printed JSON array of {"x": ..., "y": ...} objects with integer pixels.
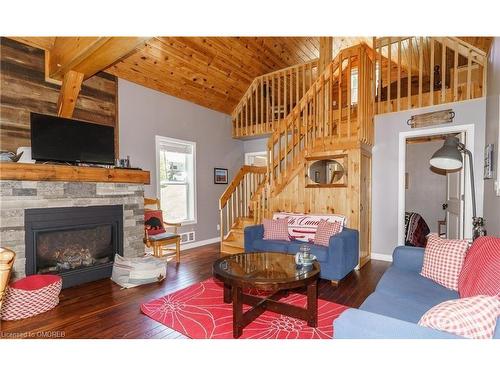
[{"x": 49, "y": 172}]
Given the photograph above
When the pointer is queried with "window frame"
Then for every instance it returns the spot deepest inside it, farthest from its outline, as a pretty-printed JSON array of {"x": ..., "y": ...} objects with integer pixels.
[{"x": 159, "y": 140}]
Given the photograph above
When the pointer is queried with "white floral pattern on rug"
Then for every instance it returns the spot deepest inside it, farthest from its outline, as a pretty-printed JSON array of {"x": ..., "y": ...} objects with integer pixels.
[{"x": 199, "y": 312}]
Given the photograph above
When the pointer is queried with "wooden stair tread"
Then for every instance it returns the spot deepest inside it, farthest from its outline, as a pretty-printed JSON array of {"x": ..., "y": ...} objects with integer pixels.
[{"x": 234, "y": 243}]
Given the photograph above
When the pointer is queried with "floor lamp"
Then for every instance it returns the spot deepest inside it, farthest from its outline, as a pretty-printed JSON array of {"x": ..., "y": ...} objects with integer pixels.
[{"x": 449, "y": 157}]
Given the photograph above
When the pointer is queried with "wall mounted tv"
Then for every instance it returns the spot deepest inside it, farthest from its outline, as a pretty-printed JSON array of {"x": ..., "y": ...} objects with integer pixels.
[{"x": 64, "y": 140}]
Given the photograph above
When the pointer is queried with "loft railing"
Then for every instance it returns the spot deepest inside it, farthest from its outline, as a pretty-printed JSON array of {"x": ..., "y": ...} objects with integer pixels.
[
  {"x": 271, "y": 97},
  {"x": 413, "y": 72}
]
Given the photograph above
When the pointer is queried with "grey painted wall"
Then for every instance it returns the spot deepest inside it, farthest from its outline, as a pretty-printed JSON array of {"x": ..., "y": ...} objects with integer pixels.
[
  {"x": 491, "y": 200},
  {"x": 385, "y": 166},
  {"x": 255, "y": 145},
  {"x": 426, "y": 189},
  {"x": 145, "y": 113}
]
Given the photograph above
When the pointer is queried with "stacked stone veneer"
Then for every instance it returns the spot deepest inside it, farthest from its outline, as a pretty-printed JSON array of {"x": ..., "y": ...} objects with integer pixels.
[{"x": 16, "y": 196}]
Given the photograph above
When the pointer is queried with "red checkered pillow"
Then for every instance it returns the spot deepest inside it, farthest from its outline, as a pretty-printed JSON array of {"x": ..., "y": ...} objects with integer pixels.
[
  {"x": 481, "y": 271},
  {"x": 473, "y": 317},
  {"x": 276, "y": 229},
  {"x": 325, "y": 230},
  {"x": 443, "y": 260}
]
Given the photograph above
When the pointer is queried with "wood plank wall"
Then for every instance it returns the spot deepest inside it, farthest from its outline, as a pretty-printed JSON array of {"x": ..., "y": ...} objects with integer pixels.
[{"x": 24, "y": 90}]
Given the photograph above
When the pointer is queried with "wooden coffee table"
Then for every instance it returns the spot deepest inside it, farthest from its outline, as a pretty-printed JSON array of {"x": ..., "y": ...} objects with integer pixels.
[{"x": 273, "y": 272}]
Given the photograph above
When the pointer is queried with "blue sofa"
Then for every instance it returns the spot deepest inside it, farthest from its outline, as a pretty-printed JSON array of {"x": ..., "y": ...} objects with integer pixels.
[
  {"x": 400, "y": 299},
  {"x": 336, "y": 260}
]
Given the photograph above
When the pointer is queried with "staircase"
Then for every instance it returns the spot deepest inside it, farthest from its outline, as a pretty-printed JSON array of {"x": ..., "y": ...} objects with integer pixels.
[
  {"x": 237, "y": 206},
  {"x": 308, "y": 115}
]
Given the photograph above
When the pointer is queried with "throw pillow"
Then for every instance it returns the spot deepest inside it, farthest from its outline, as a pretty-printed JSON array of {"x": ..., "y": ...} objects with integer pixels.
[
  {"x": 481, "y": 271},
  {"x": 473, "y": 317},
  {"x": 153, "y": 222},
  {"x": 325, "y": 231},
  {"x": 276, "y": 229},
  {"x": 302, "y": 227},
  {"x": 443, "y": 260}
]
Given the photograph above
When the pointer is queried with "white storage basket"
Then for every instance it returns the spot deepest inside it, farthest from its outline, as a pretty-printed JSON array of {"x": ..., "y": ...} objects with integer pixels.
[{"x": 130, "y": 272}]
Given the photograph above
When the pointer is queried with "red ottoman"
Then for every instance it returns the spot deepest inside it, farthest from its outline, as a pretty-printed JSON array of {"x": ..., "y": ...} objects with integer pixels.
[{"x": 31, "y": 296}]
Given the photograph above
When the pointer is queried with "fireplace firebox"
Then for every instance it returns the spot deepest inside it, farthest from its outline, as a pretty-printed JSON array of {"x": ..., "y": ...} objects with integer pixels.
[{"x": 77, "y": 243}]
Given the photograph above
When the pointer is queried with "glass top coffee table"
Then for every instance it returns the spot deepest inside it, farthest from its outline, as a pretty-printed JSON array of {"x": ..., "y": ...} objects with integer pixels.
[{"x": 273, "y": 272}]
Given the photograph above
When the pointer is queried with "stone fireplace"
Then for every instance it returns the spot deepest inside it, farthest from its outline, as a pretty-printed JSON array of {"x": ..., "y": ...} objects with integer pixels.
[
  {"x": 78, "y": 243},
  {"x": 120, "y": 228}
]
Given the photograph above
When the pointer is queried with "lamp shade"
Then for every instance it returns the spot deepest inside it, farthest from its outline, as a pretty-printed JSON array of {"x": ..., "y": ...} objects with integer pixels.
[{"x": 449, "y": 156}]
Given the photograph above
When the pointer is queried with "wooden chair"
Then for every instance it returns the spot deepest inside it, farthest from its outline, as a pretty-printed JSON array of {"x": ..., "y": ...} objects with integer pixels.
[
  {"x": 7, "y": 257},
  {"x": 161, "y": 242}
]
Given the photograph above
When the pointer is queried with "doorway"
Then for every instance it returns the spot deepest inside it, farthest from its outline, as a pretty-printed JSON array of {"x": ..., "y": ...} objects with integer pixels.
[
  {"x": 433, "y": 197},
  {"x": 432, "y": 200}
]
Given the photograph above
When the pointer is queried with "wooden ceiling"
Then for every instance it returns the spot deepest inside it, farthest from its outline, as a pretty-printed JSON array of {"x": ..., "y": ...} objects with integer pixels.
[
  {"x": 212, "y": 71},
  {"x": 215, "y": 72}
]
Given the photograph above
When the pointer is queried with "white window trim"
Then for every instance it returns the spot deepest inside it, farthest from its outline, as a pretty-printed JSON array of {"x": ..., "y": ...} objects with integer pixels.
[{"x": 158, "y": 140}]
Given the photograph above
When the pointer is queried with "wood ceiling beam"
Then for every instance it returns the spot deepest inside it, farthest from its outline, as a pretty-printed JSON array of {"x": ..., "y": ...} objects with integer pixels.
[
  {"x": 71, "y": 85},
  {"x": 41, "y": 42},
  {"x": 87, "y": 55}
]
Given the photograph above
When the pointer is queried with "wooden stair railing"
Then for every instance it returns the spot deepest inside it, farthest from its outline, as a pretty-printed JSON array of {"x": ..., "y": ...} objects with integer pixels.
[
  {"x": 409, "y": 72},
  {"x": 327, "y": 115},
  {"x": 271, "y": 97},
  {"x": 236, "y": 201}
]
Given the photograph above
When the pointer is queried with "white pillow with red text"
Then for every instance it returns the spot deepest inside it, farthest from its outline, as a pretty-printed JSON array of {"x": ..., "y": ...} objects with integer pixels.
[{"x": 302, "y": 227}]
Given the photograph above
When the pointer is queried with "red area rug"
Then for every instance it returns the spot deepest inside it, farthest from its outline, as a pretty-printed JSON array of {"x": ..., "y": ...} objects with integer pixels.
[{"x": 199, "y": 312}]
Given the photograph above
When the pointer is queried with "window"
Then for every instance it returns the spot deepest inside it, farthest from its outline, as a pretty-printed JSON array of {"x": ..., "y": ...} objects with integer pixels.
[
  {"x": 354, "y": 86},
  {"x": 175, "y": 163}
]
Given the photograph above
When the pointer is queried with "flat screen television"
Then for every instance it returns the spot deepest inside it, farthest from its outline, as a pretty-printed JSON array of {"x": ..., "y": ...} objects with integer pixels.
[{"x": 64, "y": 140}]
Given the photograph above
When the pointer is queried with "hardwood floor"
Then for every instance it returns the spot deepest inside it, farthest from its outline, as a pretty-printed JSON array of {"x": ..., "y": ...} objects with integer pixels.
[{"x": 101, "y": 309}]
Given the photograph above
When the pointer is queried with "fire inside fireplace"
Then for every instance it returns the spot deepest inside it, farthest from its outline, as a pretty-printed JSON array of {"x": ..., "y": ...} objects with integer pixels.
[
  {"x": 61, "y": 251},
  {"x": 78, "y": 243}
]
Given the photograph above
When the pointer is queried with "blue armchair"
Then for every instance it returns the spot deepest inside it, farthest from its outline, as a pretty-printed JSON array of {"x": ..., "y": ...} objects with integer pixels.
[{"x": 336, "y": 261}]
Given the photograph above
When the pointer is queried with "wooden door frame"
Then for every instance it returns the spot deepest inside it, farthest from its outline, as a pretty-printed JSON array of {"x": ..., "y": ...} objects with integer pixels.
[{"x": 468, "y": 129}]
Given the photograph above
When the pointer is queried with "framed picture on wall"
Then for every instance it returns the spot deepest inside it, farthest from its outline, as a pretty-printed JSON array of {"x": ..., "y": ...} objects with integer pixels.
[{"x": 220, "y": 176}]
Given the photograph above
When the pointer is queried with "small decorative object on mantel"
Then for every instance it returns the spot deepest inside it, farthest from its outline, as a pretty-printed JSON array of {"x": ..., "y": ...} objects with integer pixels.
[
  {"x": 220, "y": 176},
  {"x": 25, "y": 153},
  {"x": 431, "y": 118},
  {"x": 9, "y": 156}
]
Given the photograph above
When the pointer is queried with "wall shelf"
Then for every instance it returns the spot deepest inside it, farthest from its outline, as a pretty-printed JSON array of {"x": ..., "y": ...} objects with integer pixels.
[{"x": 49, "y": 172}]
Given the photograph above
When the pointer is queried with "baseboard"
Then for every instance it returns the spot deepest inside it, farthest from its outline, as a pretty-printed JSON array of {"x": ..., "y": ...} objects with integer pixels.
[
  {"x": 380, "y": 256},
  {"x": 192, "y": 245}
]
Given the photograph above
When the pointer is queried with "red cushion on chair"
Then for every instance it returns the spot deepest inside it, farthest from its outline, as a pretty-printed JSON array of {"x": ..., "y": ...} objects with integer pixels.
[
  {"x": 35, "y": 282},
  {"x": 153, "y": 221},
  {"x": 480, "y": 274}
]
